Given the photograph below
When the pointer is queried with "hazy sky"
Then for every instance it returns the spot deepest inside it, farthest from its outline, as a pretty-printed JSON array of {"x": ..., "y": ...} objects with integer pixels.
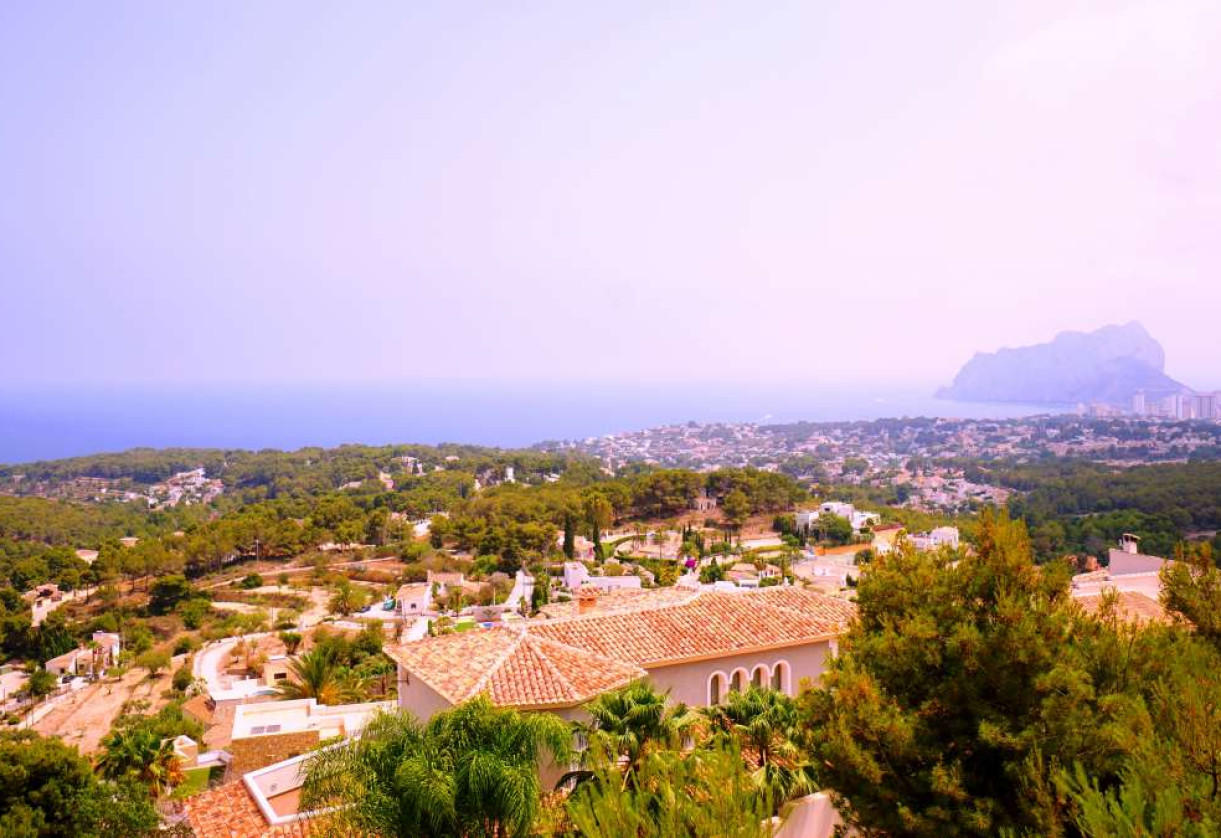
[{"x": 819, "y": 192}]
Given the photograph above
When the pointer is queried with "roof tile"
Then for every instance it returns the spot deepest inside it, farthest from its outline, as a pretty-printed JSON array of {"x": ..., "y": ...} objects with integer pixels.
[
  {"x": 514, "y": 668},
  {"x": 229, "y": 811}
]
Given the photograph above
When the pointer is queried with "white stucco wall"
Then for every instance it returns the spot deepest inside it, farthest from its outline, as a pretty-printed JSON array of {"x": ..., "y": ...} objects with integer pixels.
[{"x": 417, "y": 698}]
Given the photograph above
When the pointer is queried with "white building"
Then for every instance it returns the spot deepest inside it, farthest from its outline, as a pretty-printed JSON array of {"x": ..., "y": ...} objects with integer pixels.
[
  {"x": 1206, "y": 405},
  {"x": 92, "y": 660},
  {"x": 859, "y": 520},
  {"x": 414, "y": 598},
  {"x": 936, "y": 539},
  {"x": 576, "y": 575}
]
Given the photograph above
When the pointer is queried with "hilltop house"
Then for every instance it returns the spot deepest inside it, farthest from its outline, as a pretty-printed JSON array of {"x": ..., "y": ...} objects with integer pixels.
[
  {"x": 696, "y": 645},
  {"x": 1134, "y": 578},
  {"x": 936, "y": 539},
  {"x": 806, "y": 519},
  {"x": 746, "y": 575},
  {"x": 414, "y": 599},
  {"x": 91, "y": 660},
  {"x": 268, "y": 732},
  {"x": 576, "y": 575}
]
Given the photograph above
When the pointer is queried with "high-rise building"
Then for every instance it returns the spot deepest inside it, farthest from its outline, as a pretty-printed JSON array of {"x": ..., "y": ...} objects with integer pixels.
[
  {"x": 1178, "y": 406},
  {"x": 1139, "y": 408},
  {"x": 1206, "y": 405}
]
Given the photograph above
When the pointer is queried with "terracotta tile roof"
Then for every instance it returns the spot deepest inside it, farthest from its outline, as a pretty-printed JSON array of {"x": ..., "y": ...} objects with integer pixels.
[
  {"x": 709, "y": 625},
  {"x": 515, "y": 668},
  {"x": 618, "y": 600},
  {"x": 1132, "y": 606},
  {"x": 229, "y": 811},
  {"x": 809, "y": 602},
  {"x": 412, "y": 590}
]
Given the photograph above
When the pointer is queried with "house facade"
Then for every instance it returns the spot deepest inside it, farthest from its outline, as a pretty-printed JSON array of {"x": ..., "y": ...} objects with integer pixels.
[
  {"x": 92, "y": 660},
  {"x": 697, "y": 647}
]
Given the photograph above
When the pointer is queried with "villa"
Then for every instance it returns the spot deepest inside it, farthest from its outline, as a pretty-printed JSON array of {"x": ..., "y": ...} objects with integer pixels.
[
  {"x": 697, "y": 646},
  {"x": 806, "y": 519},
  {"x": 88, "y": 660},
  {"x": 414, "y": 599},
  {"x": 936, "y": 539}
]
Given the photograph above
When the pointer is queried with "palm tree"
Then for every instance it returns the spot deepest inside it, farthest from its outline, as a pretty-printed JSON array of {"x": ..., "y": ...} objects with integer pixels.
[
  {"x": 141, "y": 754},
  {"x": 346, "y": 599},
  {"x": 470, "y": 772},
  {"x": 164, "y": 771},
  {"x": 702, "y": 793},
  {"x": 762, "y": 724},
  {"x": 317, "y": 675},
  {"x": 627, "y": 724}
]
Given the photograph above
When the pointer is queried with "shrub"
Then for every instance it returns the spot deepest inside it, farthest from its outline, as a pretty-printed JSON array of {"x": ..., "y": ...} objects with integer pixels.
[
  {"x": 193, "y": 612},
  {"x": 154, "y": 661},
  {"x": 183, "y": 677},
  {"x": 137, "y": 638}
]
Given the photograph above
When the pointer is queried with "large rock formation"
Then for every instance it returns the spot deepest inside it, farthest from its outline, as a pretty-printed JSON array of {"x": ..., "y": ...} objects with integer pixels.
[{"x": 1107, "y": 366}]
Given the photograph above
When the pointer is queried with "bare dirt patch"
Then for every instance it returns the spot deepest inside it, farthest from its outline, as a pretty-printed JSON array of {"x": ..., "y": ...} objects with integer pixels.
[{"x": 83, "y": 718}]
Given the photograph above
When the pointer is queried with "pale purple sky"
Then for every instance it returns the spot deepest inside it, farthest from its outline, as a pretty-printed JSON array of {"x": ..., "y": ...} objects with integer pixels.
[{"x": 814, "y": 192}]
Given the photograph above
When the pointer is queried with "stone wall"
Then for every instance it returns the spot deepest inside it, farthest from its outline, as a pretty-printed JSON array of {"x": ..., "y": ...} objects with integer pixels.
[{"x": 253, "y": 752}]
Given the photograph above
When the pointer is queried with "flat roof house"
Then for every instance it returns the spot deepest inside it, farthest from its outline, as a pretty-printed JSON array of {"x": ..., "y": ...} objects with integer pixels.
[{"x": 271, "y": 731}]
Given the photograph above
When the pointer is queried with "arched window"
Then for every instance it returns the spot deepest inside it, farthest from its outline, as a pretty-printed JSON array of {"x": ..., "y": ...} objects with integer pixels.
[
  {"x": 717, "y": 687},
  {"x": 738, "y": 682},
  {"x": 782, "y": 677},
  {"x": 759, "y": 677}
]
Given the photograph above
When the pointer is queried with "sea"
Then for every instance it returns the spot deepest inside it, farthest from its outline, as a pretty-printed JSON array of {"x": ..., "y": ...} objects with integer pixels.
[{"x": 42, "y": 423}]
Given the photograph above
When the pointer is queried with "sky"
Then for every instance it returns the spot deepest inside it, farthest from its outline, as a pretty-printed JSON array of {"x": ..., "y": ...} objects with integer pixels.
[{"x": 814, "y": 193}]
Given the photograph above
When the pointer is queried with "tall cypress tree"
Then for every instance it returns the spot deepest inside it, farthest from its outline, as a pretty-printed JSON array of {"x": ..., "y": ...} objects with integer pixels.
[{"x": 570, "y": 537}]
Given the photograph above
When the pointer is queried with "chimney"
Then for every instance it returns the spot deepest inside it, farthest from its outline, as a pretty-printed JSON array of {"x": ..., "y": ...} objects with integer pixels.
[
  {"x": 587, "y": 599},
  {"x": 1129, "y": 543}
]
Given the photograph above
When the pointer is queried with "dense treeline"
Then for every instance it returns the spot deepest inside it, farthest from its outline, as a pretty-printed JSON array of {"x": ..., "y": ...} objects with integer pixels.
[
  {"x": 1073, "y": 506},
  {"x": 306, "y": 469},
  {"x": 975, "y": 697},
  {"x": 286, "y": 504},
  {"x": 516, "y": 523},
  {"x": 78, "y": 524}
]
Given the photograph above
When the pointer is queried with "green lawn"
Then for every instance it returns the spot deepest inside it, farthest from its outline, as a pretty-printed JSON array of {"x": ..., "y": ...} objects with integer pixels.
[{"x": 197, "y": 780}]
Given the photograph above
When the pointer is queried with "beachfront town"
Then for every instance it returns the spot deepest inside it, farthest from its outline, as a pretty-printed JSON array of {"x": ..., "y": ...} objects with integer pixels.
[{"x": 837, "y": 449}]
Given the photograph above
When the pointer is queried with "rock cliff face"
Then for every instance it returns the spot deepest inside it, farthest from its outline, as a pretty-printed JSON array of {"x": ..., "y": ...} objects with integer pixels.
[{"x": 1108, "y": 366}]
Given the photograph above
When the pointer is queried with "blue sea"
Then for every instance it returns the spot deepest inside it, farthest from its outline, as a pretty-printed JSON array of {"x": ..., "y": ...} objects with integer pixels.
[{"x": 48, "y": 423}]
